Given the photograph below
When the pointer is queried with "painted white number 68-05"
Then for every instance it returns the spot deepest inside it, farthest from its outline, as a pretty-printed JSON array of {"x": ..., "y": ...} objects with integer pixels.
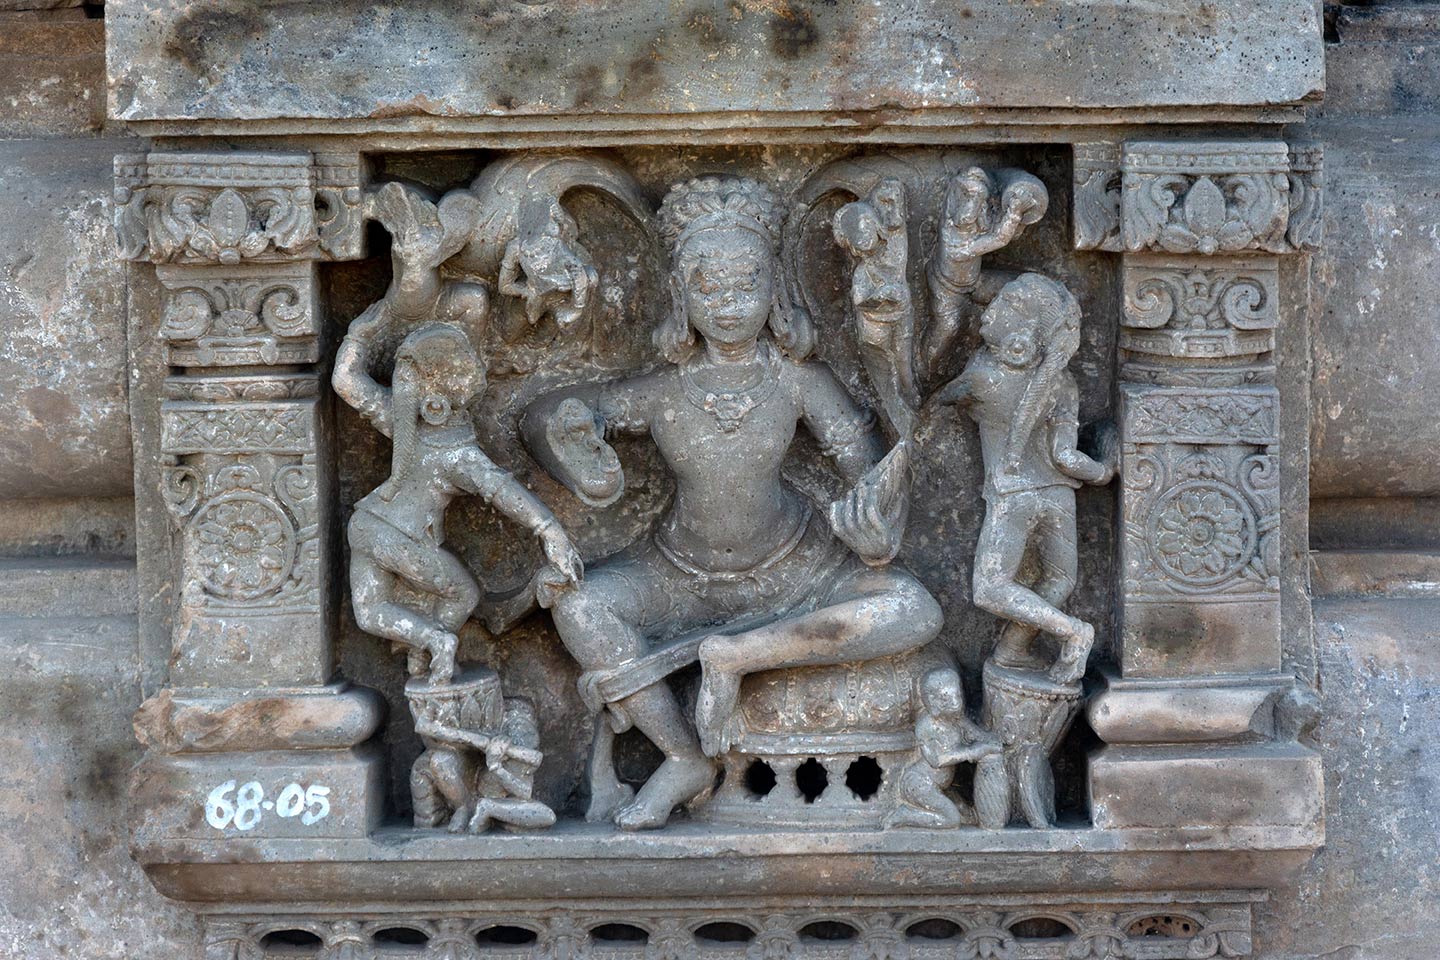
[{"x": 311, "y": 804}]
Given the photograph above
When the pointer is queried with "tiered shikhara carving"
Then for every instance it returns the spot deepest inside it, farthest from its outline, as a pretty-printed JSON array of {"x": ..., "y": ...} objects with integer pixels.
[{"x": 817, "y": 666}]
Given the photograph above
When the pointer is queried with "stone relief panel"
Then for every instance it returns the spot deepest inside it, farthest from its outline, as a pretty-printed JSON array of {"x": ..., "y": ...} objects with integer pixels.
[
  {"x": 902, "y": 237},
  {"x": 653, "y": 504}
]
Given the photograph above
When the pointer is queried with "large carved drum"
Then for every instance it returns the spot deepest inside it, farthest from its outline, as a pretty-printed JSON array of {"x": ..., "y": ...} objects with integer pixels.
[{"x": 1030, "y": 714}]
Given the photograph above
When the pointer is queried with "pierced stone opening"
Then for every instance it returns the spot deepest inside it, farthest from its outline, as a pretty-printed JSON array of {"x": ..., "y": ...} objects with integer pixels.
[
  {"x": 1163, "y": 925},
  {"x": 619, "y": 933},
  {"x": 811, "y": 779},
  {"x": 759, "y": 778},
  {"x": 724, "y": 931},
  {"x": 291, "y": 943},
  {"x": 505, "y": 935},
  {"x": 1040, "y": 928},
  {"x": 400, "y": 937},
  {"x": 936, "y": 928},
  {"x": 828, "y": 931},
  {"x": 863, "y": 777}
]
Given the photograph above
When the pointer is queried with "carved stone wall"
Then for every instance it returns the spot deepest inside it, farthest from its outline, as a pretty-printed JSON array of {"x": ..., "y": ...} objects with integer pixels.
[{"x": 1165, "y": 806}]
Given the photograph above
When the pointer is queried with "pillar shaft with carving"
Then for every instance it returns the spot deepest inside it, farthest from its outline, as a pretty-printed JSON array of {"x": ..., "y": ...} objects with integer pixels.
[
  {"x": 1190, "y": 718},
  {"x": 253, "y": 735}
]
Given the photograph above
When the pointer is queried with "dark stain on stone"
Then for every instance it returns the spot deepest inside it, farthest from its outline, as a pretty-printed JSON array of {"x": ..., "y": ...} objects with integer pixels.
[
  {"x": 104, "y": 777},
  {"x": 642, "y": 76},
  {"x": 48, "y": 405},
  {"x": 203, "y": 36},
  {"x": 587, "y": 84},
  {"x": 793, "y": 32}
]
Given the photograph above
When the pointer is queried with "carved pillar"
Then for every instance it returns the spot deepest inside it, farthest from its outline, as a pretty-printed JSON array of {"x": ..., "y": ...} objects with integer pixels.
[
  {"x": 253, "y": 736},
  {"x": 1191, "y": 717}
]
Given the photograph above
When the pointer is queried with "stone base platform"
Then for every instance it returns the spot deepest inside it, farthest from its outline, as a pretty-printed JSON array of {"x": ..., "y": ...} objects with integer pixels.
[{"x": 399, "y": 866}]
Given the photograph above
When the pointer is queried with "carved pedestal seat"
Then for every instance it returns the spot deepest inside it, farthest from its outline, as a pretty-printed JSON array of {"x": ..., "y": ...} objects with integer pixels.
[{"x": 822, "y": 745}]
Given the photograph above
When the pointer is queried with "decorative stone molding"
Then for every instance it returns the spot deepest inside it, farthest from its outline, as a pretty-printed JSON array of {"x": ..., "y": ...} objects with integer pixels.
[
  {"x": 1195, "y": 307},
  {"x": 339, "y": 205},
  {"x": 244, "y": 487},
  {"x": 1307, "y": 209},
  {"x": 1097, "y": 196},
  {"x": 1205, "y": 197},
  {"x": 221, "y": 207},
  {"x": 240, "y": 315},
  {"x": 244, "y": 471},
  {"x": 1162, "y": 928},
  {"x": 1200, "y": 659}
]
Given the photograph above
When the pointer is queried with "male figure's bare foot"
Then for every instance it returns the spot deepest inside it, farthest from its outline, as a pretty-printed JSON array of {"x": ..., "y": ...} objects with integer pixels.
[
  {"x": 678, "y": 781},
  {"x": 715, "y": 700},
  {"x": 1070, "y": 665},
  {"x": 459, "y": 820},
  {"x": 607, "y": 793},
  {"x": 442, "y": 657}
]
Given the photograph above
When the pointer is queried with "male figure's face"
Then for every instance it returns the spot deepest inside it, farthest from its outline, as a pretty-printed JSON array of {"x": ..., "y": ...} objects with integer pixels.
[
  {"x": 942, "y": 695},
  {"x": 729, "y": 292},
  {"x": 1007, "y": 326}
]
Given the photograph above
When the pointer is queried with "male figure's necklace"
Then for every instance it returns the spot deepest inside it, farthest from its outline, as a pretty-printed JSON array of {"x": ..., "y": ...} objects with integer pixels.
[{"x": 731, "y": 407}]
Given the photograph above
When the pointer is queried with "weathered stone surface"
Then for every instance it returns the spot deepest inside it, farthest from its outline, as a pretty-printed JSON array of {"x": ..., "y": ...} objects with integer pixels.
[
  {"x": 1372, "y": 893},
  {"x": 102, "y": 526},
  {"x": 52, "y": 77},
  {"x": 297, "y": 68},
  {"x": 62, "y": 365},
  {"x": 1384, "y": 60},
  {"x": 1270, "y": 784},
  {"x": 70, "y": 682},
  {"x": 223, "y": 59},
  {"x": 1373, "y": 429}
]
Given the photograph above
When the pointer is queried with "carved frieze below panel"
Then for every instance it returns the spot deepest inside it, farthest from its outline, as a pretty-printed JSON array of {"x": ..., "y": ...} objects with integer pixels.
[
  {"x": 1162, "y": 930},
  {"x": 1200, "y": 307},
  {"x": 215, "y": 208},
  {"x": 240, "y": 315}
]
